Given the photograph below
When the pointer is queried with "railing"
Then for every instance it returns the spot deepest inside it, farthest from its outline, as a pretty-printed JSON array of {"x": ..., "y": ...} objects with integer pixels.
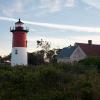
[{"x": 19, "y": 28}]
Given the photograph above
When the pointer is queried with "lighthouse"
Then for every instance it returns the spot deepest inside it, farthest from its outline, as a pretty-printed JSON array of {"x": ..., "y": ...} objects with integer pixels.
[{"x": 19, "y": 44}]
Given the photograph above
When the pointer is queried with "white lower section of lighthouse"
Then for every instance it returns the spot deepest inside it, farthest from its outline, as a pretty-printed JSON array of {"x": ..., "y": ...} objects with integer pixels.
[{"x": 19, "y": 56}]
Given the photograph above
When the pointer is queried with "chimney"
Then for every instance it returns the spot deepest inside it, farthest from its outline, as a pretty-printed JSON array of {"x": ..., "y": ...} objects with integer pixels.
[{"x": 90, "y": 42}]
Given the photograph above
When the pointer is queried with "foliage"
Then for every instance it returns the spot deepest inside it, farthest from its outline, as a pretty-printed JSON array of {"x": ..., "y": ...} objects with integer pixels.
[
  {"x": 49, "y": 82},
  {"x": 36, "y": 58},
  {"x": 45, "y": 45},
  {"x": 91, "y": 61},
  {"x": 5, "y": 59}
]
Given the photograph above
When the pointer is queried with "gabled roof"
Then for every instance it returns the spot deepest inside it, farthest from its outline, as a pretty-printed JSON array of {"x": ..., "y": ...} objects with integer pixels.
[
  {"x": 89, "y": 49},
  {"x": 66, "y": 52}
]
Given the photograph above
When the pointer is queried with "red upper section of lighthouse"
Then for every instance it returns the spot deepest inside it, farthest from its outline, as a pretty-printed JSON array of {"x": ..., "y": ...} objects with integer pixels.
[
  {"x": 19, "y": 39},
  {"x": 19, "y": 35}
]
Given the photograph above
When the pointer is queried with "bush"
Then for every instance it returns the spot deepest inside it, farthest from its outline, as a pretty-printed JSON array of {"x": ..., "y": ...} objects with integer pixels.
[
  {"x": 49, "y": 82},
  {"x": 91, "y": 61}
]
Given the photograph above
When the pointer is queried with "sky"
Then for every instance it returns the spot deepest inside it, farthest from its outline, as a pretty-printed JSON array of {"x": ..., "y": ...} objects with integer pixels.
[{"x": 60, "y": 22}]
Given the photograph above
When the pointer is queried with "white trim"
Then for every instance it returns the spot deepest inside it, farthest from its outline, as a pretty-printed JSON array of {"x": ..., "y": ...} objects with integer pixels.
[{"x": 77, "y": 58}]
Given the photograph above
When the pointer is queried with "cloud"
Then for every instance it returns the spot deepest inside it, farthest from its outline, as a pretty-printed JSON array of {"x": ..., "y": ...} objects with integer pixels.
[
  {"x": 58, "y": 26},
  {"x": 56, "y": 5},
  {"x": 39, "y": 7},
  {"x": 93, "y": 3},
  {"x": 65, "y": 27},
  {"x": 70, "y": 3},
  {"x": 52, "y": 40},
  {"x": 15, "y": 7},
  {"x": 8, "y": 19},
  {"x": 85, "y": 38},
  {"x": 51, "y": 5}
]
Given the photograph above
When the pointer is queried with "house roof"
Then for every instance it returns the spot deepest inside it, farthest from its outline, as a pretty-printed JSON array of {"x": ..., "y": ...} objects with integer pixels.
[
  {"x": 66, "y": 52},
  {"x": 89, "y": 49}
]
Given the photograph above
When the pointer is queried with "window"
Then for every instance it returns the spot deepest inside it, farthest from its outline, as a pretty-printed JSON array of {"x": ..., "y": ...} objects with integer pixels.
[{"x": 16, "y": 51}]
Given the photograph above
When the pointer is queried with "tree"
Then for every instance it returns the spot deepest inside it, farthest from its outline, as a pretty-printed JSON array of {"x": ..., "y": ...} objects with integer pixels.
[
  {"x": 0, "y": 59},
  {"x": 36, "y": 58},
  {"x": 45, "y": 45},
  {"x": 6, "y": 59}
]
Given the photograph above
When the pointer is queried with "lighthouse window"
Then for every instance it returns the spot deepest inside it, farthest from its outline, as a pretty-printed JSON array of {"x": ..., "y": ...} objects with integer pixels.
[{"x": 16, "y": 51}]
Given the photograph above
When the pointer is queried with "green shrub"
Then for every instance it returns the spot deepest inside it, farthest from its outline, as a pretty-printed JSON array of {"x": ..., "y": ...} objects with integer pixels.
[
  {"x": 91, "y": 61},
  {"x": 49, "y": 82}
]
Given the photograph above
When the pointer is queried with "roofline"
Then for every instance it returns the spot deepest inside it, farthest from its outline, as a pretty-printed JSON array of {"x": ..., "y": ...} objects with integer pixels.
[{"x": 86, "y": 44}]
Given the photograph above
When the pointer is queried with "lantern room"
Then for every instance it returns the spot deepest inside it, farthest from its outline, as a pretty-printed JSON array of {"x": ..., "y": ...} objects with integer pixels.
[{"x": 19, "y": 24}]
